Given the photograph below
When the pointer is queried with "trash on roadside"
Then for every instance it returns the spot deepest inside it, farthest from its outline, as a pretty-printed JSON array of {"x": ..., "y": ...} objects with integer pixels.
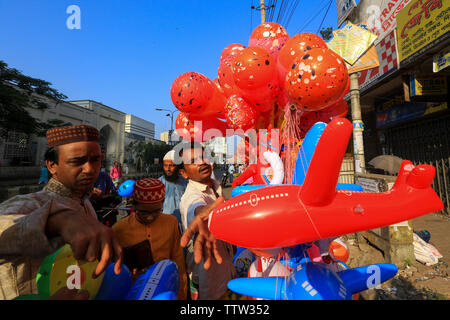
[
  {"x": 424, "y": 235},
  {"x": 424, "y": 252}
]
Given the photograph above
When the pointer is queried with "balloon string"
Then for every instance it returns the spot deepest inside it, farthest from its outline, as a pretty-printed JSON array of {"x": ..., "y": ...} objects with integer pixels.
[
  {"x": 310, "y": 219},
  {"x": 304, "y": 165}
]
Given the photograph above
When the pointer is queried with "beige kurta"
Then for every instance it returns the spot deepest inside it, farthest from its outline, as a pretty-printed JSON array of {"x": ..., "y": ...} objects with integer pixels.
[{"x": 23, "y": 242}]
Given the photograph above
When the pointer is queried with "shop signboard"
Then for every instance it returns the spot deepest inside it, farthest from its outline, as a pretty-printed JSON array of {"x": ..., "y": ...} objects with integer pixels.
[
  {"x": 428, "y": 85},
  {"x": 380, "y": 15},
  {"x": 441, "y": 60},
  {"x": 387, "y": 57},
  {"x": 421, "y": 25},
  {"x": 343, "y": 9},
  {"x": 406, "y": 111}
]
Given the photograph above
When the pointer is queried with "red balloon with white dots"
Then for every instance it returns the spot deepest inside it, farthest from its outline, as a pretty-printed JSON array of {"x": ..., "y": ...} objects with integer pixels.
[{"x": 317, "y": 79}]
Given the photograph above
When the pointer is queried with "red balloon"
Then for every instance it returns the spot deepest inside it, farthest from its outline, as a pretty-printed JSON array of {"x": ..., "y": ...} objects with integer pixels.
[
  {"x": 297, "y": 46},
  {"x": 240, "y": 115},
  {"x": 230, "y": 52},
  {"x": 317, "y": 79},
  {"x": 307, "y": 120},
  {"x": 197, "y": 130},
  {"x": 253, "y": 68},
  {"x": 261, "y": 219},
  {"x": 336, "y": 110},
  {"x": 270, "y": 36},
  {"x": 217, "y": 83},
  {"x": 216, "y": 106},
  {"x": 226, "y": 81},
  {"x": 264, "y": 98},
  {"x": 196, "y": 95}
]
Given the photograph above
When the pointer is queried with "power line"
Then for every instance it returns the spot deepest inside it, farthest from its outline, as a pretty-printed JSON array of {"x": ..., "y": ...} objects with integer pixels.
[
  {"x": 269, "y": 10},
  {"x": 288, "y": 12},
  {"x": 312, "y": 18},
  {"x": 292, "y": 12},
  {"x": 331, "y": 1},
  {"x": 273, "y": 11},
  {"x": 284, "y": 11},
  {"x": 280, "y": 11}
]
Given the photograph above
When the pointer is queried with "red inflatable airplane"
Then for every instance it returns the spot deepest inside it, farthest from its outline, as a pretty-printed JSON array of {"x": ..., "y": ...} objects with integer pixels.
[{"x": 287, "y": 215}]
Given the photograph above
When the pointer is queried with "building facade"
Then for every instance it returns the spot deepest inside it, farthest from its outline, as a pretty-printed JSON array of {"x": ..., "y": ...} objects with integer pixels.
[
  {"x": 117, "y": 129},
  {"x": 164, "y": 136},
  {"x": 404, "y": 101}
]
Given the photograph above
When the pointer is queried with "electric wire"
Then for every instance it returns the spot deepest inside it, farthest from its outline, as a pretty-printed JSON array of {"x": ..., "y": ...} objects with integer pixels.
[
  {"x": 312, "y": 17},
  {"x": 331, "y": 1},
  {"x": 292, "y": 12}
]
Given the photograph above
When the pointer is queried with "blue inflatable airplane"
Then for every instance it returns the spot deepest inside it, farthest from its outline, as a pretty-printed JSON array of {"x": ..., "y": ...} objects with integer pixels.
[{"x": 314, "y": 281}]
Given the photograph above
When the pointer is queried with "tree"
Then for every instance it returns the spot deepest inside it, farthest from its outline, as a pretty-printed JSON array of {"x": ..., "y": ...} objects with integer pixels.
[
  {"x": 327, "y": 33},
  {"x": 16, "y": 94},
  {"x": 153, "y": 151}
]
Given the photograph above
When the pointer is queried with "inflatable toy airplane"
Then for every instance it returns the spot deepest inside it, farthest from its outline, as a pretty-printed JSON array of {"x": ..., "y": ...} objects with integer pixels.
[
  {"x": 160, "y": 282},
  {"x": 287, "y": 215},
  {"x": 314, "y": 281}
]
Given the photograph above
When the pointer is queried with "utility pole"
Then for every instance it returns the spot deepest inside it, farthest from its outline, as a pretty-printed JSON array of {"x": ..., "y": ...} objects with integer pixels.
[
  {"x": 358, "y": 126},
  {"x": 263, "y": 12},
  {"x": 262, "y": 7}
]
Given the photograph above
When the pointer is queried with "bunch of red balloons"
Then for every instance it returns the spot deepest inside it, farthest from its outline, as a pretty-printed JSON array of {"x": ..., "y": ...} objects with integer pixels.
[{"x": 274, "y": 72}]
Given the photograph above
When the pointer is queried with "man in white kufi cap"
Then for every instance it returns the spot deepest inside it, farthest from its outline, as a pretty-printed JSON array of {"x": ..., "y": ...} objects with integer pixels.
[{"x": 175, "y": 186}]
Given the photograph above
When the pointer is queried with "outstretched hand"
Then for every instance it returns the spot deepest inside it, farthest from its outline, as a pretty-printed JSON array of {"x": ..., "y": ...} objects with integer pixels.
[
  {"x": 205, "y": 245},
  {"x": 90, "y": 240}
]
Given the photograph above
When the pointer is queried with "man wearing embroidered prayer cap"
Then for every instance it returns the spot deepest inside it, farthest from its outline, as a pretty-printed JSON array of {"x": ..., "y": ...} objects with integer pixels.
[
  {"x": 175, "y": 186},
  {"x": 34, "y": 225},
  {"x": 148, "y": 236}
]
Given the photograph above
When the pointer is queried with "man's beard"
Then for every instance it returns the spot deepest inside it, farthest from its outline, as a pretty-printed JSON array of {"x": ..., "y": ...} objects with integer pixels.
[{"x": 172, "y": 178}]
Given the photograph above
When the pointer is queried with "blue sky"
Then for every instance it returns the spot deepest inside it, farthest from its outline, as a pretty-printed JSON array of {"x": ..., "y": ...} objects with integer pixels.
[{"x": 128, "y": 52}]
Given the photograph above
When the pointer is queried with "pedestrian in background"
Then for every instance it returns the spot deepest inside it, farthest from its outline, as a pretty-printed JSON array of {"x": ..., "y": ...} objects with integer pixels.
[
  {"x": 231, "y": 172},
  {"x": 116, "y": 174},
  {"x": 44, "y": 175}
]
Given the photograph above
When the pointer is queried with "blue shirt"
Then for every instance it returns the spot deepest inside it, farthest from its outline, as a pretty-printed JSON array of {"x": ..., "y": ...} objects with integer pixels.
[
  {"x": 174, "y": 192},
  {"x": 104, "y": 182}
]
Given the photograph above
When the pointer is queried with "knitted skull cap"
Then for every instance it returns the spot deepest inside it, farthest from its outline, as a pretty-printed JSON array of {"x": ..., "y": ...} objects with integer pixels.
[
  {"x": 69, "y": 134},
  {"x": 149, "y": 190}
]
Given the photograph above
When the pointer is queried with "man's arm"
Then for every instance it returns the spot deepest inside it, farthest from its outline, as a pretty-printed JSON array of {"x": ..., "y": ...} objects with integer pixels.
[
  {"x": 22, "y": 228},
  {"x": 31, "y": 229},
  {"x": 205, "y": 244},
  {"x": 90, "y": 240}
]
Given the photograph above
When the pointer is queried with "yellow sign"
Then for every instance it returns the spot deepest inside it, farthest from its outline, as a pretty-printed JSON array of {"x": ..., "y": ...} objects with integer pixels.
[
  {"x": 428, "y": 84},
  {"x": 419, "y": 24},
  {"x": 435, "y": 107},
  {"x": 368, "y": 60},
  {"x": 351, "y": 42}
]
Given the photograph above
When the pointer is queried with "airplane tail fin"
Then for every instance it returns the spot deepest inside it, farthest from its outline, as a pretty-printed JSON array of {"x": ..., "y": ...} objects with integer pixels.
[
  {"x": 319, "y": 187},
  {"x": 419, "y": 177}
]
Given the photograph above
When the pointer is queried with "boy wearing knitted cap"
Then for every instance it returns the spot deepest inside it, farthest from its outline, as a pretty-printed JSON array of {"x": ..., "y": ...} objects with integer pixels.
[{"x": 147, "y": 236}]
